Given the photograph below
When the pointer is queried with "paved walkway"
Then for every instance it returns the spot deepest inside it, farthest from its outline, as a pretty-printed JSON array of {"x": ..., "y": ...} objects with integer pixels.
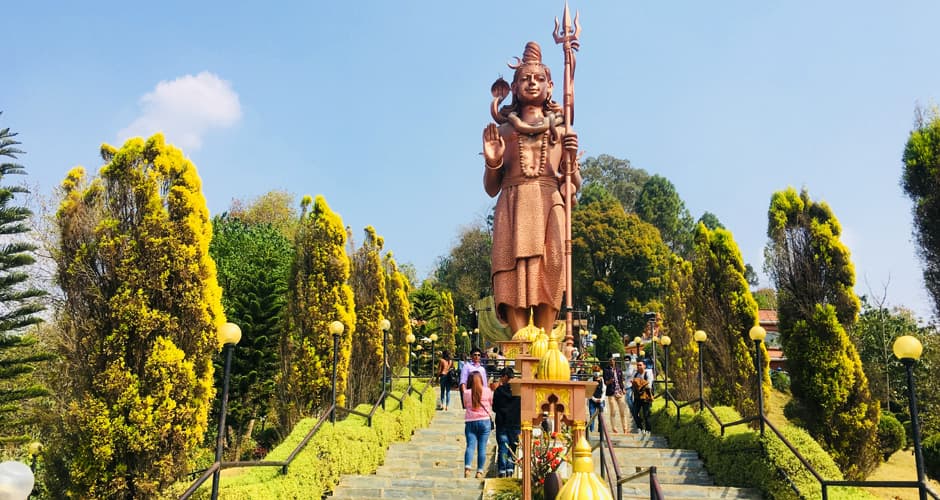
[{"x": 430, "y": 466}]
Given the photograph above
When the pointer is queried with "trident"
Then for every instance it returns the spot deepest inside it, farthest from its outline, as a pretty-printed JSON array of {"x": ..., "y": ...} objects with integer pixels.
[{"x": 567, "y": 36}]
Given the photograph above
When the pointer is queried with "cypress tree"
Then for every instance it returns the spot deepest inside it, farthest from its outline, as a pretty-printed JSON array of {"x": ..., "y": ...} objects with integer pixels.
[
  {"x": 814, "y": 276},
  {"x": 137, "y": 326},
  {"x": 368, "y": 284},
  {"x": 399, "y": 313}
]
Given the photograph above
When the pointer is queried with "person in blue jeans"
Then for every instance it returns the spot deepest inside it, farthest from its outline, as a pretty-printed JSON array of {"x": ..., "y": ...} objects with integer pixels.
[
  {"x": 506, "y": 407},
  {"x": 443, "y": 371},
  {"x": 478, "y": 401},
  {"x": 596, "y": 403}
]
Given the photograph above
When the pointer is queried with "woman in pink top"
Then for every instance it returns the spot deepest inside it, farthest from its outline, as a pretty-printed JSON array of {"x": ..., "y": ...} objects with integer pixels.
[{"x": 478, "y": 401}]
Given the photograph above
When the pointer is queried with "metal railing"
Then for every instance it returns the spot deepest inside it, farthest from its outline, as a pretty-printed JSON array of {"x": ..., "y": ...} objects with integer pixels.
[
  {"x": 328, "y": 413},
  {"x": 824, "y": 484},
  {"x": 616, "y": 480}
]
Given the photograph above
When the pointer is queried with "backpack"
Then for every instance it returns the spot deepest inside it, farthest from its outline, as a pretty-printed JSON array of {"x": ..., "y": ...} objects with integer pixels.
[
  {"x": 642, "y": 391},
  {"x": 452, "y": 376}
]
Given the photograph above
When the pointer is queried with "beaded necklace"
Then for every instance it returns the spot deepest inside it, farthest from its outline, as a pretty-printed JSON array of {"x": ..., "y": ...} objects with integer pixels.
[{"x": 533, "y": 171}]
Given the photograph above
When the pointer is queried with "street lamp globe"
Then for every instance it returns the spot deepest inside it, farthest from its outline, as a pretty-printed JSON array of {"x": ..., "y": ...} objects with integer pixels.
[
  {"x": 666, "y": 341},
  {"x": 757, "y": 333},
  {"x": 433, "y": 337},
  {"x": 410, "y": 338},
  {"x": 700, "y": 336},
  {"x": 385, "y": 324},
  {"x": 229, "y": 333},
  {"x": 907, "y": 347},
  {"x": 337, "y": 327},
  {"x": 637, "y": 340},
  {"x": 463, "y": 333}
]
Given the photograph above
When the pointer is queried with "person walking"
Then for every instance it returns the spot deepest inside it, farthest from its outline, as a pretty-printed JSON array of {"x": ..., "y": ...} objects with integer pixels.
[
  {"x": 443, "y": 372},
  {"x": 642, "y": 397},
  {"x": 478, "y": 401},
  {"x": 507, "y": 409},
  {"x": 616, "y": 395},
  {"x": 596, "y": 403}
]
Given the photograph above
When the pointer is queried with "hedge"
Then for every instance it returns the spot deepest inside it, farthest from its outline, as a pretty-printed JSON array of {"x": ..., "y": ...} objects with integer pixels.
[
  {"x": 743, "y": 458},
  {"x": 349, "y": 447}
]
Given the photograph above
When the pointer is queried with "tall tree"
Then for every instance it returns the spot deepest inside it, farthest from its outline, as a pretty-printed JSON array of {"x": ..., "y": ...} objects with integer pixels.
[
  {"x": 368, "y": 284},
  {"x": 608, "y": 343},
  {"x": 318, "y": 294},
  {"x": 622, "y": 261},
  {"x": 277, "y": 208},
  {"x": 679, "y": 325},
  {"x": 399, "y": 313},
  {"x": 617, "y": 176},
  {"x": 137, "y": 330},
  {"x": 465, "y": 271},
  {"x": 19, "y": 301},
  {"x": 253, "y": 262},
  {"x": 724, "y": 308},
  {"x": 659, "y": 204},
  {"x": 448, "y": 324},
  {"x": 921, "y": 181},
  {"x": 817, "y": 305}
]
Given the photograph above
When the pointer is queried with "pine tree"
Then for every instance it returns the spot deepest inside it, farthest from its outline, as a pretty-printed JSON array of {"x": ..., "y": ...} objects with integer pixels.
[
  {"x": 368, "y": 284},
  {"x": 318, "y": 294},
  {"x": 19, "y": 303},
  {"x": 253, "y": 262},
  {"x": 137, "y": 327},
  {"x": 814, "y": 276}
]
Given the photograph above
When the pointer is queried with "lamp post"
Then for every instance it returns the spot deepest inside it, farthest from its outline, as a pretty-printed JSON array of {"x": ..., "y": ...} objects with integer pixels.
[
  {"x": 465, "y": 335},
  {"x": 411, "y": 340},
  {"x": 229, "y": 335},
  {"x": 908, "y": 349},
  {"x": 431, "y": 363},
  {"x": 653, "y": 343},
  {"x": 637, "y": 341},
  {"x": 666, "y": 342},
  {"x": 336, "y": 328},
  {"x": 418, "y": 349},
  {"x": 385, "y": 324},
  {"x": 476, "y": 334},
  {"x": 34, "y": 448},
  {"x": 757, "y": 334},
  {"x": 700, "y": 336}
]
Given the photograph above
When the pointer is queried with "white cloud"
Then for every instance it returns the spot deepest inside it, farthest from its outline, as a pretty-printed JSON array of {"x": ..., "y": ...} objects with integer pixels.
[{"x": 185, "y": 109}]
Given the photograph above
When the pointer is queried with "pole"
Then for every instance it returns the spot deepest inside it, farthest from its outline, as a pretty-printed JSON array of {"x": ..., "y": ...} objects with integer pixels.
[
  {"x": 385, "y": 367},
  {"x": 915, "y": 429},
  {"x": 701, "y": 380},
  {"x": 666, "y": 371},
  {"x": 409, "y": 367},
  {"x": 431, "y": 363},
  {"x": 228, "y": 348},
  {"x": 760, "y": 387},
  {"x": 567, "y": 35},
  {"x": 335, "y": 348},
  {"x": 653, "y": 343}
]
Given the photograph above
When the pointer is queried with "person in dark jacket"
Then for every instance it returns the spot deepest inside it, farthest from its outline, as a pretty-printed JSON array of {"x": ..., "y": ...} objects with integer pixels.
[{"x": 506, "y": 408}]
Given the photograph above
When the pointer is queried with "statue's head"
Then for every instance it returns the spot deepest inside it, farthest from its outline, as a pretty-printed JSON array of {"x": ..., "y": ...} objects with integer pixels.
[{"x": 531, "y": 67}]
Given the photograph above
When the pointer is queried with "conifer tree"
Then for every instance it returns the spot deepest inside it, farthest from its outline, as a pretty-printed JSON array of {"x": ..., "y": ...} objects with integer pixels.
[
  {"x": 137, "y": 328},
  {"x": 399, "y": 313},
  {"x": 920, "y": 180},
  {"x": 724, "y": 308},
  {"x": 253, "y": 262},
  {"x": 19, "y": 302},
  {"x": 677, "y": 323},
  {"x": 368, "y": 284},
  {"x": 817, "y": 305},
  {"x": 318, "y": 294},
  {"x": 448, "y": 324}
]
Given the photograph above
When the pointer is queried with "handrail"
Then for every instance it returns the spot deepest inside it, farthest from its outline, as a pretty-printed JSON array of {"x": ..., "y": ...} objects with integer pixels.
[{"x": 824, "y": 484}]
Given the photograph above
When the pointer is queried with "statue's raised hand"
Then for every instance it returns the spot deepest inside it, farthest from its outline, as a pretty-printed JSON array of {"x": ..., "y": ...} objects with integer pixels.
[{"x": 493, "y": 146}]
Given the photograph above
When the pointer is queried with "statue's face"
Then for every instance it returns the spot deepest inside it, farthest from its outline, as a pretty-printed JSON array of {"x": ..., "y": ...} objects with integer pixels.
[{"x": 531, "y": 84}]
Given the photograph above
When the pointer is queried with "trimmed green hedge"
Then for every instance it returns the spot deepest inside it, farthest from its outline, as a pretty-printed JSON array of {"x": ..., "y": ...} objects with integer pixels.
[
  {"x": 890, "y": 435},
  {"x": 742, "y": 458},
  {"x": 349, "y": 447},
  {"x": 931, "y": 450}
]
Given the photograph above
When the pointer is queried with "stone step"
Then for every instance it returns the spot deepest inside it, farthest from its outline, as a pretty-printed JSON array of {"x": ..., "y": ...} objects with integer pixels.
[{"x": 640, "y": 489}]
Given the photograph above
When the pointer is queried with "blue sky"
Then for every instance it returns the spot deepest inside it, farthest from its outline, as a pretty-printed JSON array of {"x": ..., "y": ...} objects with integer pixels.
[{"x": 379, "y": 106}]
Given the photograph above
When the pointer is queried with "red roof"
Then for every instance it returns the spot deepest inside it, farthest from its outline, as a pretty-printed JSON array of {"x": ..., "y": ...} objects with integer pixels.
[{"x": 767, "y": 315}]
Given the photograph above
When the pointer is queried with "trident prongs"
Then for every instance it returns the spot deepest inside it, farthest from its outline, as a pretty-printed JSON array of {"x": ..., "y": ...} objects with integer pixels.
[{"x": 565, "y": 33}]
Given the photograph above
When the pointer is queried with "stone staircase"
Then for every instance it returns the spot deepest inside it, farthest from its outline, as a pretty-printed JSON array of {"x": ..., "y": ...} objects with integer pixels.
[
  {"x": 430, "y": 466},
  {"x": 681, "y": 473}
]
